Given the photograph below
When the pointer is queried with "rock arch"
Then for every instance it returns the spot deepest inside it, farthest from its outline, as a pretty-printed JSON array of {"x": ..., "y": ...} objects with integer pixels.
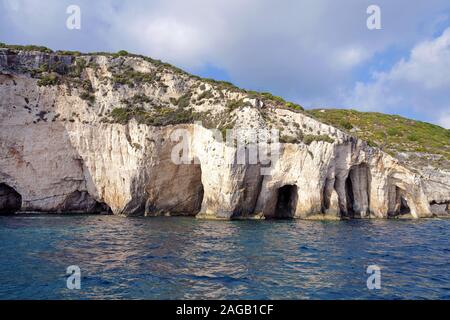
[
  {"x": 398, "y": 202},
  {"x": 176, "y": 190},
  {"x": 10, "y": 199},
  {"x": 83, "y": 202},
  {"x": 357, "y": 190}
]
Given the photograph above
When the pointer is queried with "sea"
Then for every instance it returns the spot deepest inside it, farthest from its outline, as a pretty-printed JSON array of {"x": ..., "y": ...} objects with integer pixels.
[{"x": 111, "y": 257}]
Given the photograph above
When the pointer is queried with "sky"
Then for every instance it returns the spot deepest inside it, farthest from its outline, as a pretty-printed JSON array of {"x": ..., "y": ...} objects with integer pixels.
[{"x": 318, "y": 53}]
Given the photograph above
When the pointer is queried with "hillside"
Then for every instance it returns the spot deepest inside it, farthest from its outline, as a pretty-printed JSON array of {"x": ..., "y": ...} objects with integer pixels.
[
  {"x": 417, "y": 143},
  {"x": 95, "y": 132}
]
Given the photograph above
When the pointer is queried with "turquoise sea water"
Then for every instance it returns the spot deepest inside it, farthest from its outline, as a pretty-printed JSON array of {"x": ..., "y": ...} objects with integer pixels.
[{"x": 185, "y": 258}]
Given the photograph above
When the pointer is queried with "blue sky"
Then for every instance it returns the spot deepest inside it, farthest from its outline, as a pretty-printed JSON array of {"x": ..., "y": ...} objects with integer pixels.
[{"x": 318, "y": 53}]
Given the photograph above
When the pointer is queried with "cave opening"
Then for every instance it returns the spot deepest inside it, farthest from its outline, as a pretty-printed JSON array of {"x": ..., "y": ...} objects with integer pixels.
[
  {"x": 403, "y": 207},
  {"x": 286, "y": 202},
  {"x": 350, "y": 196},
  {"x": 357, "y": 192},
  {"x": 197, "y": 191},
  {"x": 182, "y": 194},
  {"x": 10, "y": 200},
  {"x": 83, "y": 202},
  {"x": 101, "y": 208},
  {"x": 399, "y": 203}
]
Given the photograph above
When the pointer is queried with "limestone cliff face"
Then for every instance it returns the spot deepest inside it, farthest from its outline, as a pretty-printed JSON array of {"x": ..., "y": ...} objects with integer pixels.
[{"x": 96, "y": 133}]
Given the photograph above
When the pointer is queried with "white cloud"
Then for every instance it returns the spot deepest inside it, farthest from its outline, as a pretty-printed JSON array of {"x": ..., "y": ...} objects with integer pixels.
[
  {"x": 305, "y": 50},
  {"x": 419, "y": 84},
  {"x": 444, "y": 120},
  {"x": 171, "y": 38},
  {"x": 350, "y": 57}
]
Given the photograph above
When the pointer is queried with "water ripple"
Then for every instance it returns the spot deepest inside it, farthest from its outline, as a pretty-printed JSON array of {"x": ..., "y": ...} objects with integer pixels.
[{"x": 183, "y": 258}]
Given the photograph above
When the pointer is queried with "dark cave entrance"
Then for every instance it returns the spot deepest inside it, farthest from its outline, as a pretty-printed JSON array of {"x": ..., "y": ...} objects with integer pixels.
[
  {"x": 196, "y": 186},
  {"x": 403, "y": 207},
  {"x": 83, "y": 202},
  {"x": 10, "y": 200},
  {"x": 400, "y": 205},
  {"x": 286, "y": 202},
  {"x": 101, "y": 208},
  {"x": 350, "y": 196}
]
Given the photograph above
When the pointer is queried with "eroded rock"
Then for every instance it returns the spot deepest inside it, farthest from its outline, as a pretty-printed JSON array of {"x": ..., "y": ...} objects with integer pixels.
[{"x": 62, "y": 151}]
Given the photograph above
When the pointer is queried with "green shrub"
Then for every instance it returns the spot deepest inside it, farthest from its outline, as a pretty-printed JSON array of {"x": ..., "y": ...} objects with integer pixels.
[
  {"x": 68, "y": 53},
  {"x": 159, "y": 117},
  {"x": 289, "y": 139},
  {"x": 131, "y": 77},
  {"x": 236, "y": 104},
  {"x": 87, "y": 85},
  {"x": 205, "y": 95},
  {"x": 28, "y": 48},
  {"x": 372, "y": 144},
  {"x": 308, "y": 139},
  {"x": 294, "y": 106},
  {"x": 87, "y": 97},
  {"x": 121, "y": 115},
  {"x": 346, "y": 125},
  {"x": 184, "y": 100},
  {"x": 394, "y": 132},
  {"x": 48, "y": 80},
  {"x": 121, "y": 53},
  {"x": 221, "y": 85},
  {"x": 77, "y": 68},
  {"x": 137, "y": 99},
  {"x": 271, "y": 97}
]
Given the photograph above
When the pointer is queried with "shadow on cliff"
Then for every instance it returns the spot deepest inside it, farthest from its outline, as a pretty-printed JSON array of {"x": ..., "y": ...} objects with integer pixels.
[{"x": 43, "y": 172}]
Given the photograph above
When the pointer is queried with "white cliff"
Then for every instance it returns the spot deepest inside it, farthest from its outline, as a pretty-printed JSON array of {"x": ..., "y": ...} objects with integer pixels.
[{"x": 95, "y": 133}]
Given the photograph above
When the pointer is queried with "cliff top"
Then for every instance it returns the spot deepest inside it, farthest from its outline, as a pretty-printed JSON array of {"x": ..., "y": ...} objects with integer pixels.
[{"x": 415, "y": 142}]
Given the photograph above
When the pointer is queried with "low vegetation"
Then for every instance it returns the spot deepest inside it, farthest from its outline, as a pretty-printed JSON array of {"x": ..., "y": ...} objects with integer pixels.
[
  {"x": 48, "y": 80},
  {"x": 137, "y": 99},
  {"x": 205, "y": 95},
  {"x": 87, "y": 96},
  {"x": 158, "y": 117},
  {"x": 392, "y": 133},
  {"x": 121, "y": 53},
  {"x": 183, "y": 101},
  {"x": 26, "y": 47},
  {"x": 306, "y": 139},
  {"x": 130, "y": 77},
  {"x": 236, "y": 104},
  {"x": 68, "y": 53}
]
